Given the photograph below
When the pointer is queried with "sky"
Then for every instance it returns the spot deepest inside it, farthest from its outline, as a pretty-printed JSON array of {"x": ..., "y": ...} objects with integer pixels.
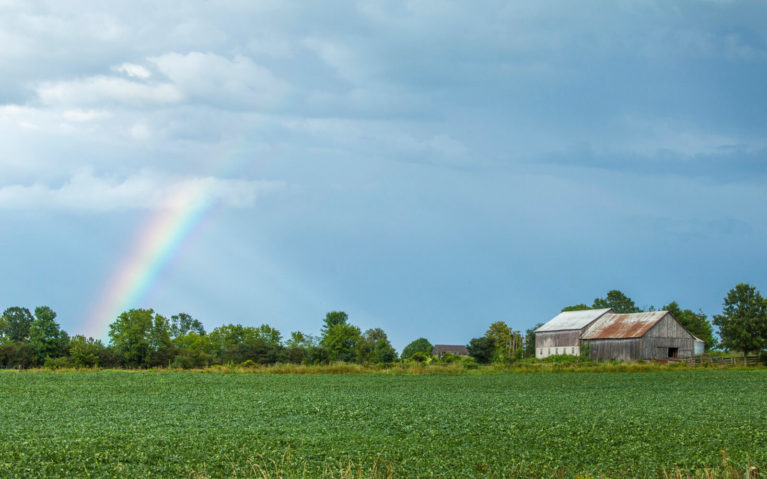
[{"x": 428, "y": 167}]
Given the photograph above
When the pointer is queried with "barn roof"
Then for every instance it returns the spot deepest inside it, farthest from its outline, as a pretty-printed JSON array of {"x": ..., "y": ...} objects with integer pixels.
[
  {"x": 440, "y": 349},
  {"x": 619, "y": 326},
  {"x": 569, "y": 320}
]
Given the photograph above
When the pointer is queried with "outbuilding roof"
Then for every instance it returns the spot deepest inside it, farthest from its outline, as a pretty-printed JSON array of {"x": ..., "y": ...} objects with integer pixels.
[
  {"x": 620, "y": 326},
  {"x": 573, "y": 320},
  {"x": 440, "y": 349}
]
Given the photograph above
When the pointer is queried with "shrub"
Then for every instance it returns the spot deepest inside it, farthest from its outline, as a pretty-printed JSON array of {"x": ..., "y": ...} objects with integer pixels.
[
  {"x": 56, "y": 363},
  {"x": 420, "y": 357},
  {"x": 469, "y": 362},
  {"x": 448, "y": 358}
]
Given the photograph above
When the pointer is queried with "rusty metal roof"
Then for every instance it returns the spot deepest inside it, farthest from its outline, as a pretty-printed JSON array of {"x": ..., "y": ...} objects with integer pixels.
[
  {"x": 570, "y": 320},
  {"x": 620, "y": 326}
]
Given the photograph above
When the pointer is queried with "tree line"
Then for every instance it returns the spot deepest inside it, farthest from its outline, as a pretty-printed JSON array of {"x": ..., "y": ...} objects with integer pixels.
[{"x": 142, "y": 338}]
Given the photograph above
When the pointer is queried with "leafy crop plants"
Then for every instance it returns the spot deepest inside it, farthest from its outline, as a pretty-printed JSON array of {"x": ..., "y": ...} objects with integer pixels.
[{"x": 133, "y": 424}]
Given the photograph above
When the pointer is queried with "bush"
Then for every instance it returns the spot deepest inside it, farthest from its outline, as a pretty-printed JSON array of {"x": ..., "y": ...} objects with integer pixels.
[
  {"x": 420, "y": 357},
  {"x": 565, "y": 359},
  {"x": 56, "y": 363},
  {"x": 448, "y": 358},
  {"x": 469, "y": 362}
]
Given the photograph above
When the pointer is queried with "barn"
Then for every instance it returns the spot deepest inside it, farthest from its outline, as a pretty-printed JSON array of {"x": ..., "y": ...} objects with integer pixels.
[
  {"x": 631, "y": 337},
  {"x": 440, "y": 350},
  {"x": 562, "y": 334}
]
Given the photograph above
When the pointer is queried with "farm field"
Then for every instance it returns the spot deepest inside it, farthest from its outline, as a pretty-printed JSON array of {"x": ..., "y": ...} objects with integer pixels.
[{"x": 150, "y": 424}]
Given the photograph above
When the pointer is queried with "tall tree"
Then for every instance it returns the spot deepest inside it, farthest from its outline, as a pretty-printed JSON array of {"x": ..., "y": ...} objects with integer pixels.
[
  {"x": 140, "y": 338},
  {"x": 340, "y": 342},
  {"x": 333, "y": 318},
  {"x": 45, "y": 335},
  {"x": 17, "y": 323},
  {"x": 420, "y": 345},
  {"x": 481, "y": 349},
  {"x": 182, "y": 323},
  {"x": 374, "y": 347},
  {"x": 530, "y": 341},
  {"x": 84, "y": 351},
  {"x": 269, "y": 335},
  {"x": 619, "y": 302},
  {"x": 236, "y": 343},
  {"x": 506, "y": 341},
  {"x": 696, "y": 323},
  {"x": 743, "y": 322},
  {"x": 161, "y": 350}
]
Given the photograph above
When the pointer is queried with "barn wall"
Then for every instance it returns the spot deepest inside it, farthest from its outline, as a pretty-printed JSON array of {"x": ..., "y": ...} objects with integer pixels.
[
  {"x": 667, "y": 333},
  {"x": 620, "y": 349},
  {"x": 668, "y": 327},
  {"x": 657, "y": 348},
  {"x": 557, "y": 342}
]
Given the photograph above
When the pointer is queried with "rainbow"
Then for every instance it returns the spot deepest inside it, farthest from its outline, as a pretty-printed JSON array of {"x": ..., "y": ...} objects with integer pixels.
[{"x": 154, "y": 248}]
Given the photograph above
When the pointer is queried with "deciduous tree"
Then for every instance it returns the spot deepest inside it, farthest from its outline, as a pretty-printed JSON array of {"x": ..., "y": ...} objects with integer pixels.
[
  {"x": 743, "y": 322},
  {"x": 182, "y": 323},
  {"x": 530, "y": 341},
  {"x": 481, "y": 349},
  {"x": 419, "y": 345},
  {"x": 333, "y": 318},
  {"x": 17, "y": 323},
  {"x": 141, "y": 338},
  {"x": 45, "y": 335},
  {"x": 619, "y": 302}
]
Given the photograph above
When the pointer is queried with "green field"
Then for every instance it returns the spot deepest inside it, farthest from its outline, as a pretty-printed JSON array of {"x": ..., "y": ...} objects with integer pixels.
[{"x": 149, "y": 424}]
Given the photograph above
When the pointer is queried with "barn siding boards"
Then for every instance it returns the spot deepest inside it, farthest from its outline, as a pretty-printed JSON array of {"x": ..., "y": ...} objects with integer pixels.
[
  {"x": 628, "y": 337},
  {"x": 664, "y": 339},
  {"x": 562, "y": 334},
  {"x": 558, "y": 339},
  {"x": 668, "y": 327},
  {"x": 619, "y": 349},
  {"x": 557, "y": 342}
]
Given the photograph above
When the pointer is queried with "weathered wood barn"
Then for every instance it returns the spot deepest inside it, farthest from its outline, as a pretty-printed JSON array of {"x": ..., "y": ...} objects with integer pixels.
[
  {"x": 440, "y": 350},
  {"x": 628, "y": 337},
  {"x": 562, "y": 335}
]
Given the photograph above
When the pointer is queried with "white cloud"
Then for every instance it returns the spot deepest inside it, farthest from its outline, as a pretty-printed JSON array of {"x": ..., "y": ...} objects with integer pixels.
[
  {"x": 86, "y": 192},
  {"x": 140, "y": 131},
  {"x": 80, "y": 116},
  {"x": 133, "y": 70},
  {"x": 100, "y": 90},
  {"x": 217, "y": 80}
]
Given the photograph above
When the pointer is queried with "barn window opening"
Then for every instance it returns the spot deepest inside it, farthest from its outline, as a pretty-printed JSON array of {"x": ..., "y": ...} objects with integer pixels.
[{"x": 673, "y": 352}]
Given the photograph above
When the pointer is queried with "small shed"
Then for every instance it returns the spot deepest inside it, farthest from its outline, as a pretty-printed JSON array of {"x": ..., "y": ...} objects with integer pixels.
[
  {"x": 562, "y": 334},
  {"x": 699, "y": 346},
  {"x": 440, "y": 350},
  {"x": 631, "y": 337}
]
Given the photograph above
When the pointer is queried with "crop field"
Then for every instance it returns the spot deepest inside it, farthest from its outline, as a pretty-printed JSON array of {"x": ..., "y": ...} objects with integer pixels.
[{"x": 150, "y": 424}]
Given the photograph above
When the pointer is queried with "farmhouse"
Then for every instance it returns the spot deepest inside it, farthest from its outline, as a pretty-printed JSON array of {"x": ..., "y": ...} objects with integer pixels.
[
  {"x": 442, "y": 349},
  {"x": 562, "y": 335},
  {"x": 608, "y": 335}
]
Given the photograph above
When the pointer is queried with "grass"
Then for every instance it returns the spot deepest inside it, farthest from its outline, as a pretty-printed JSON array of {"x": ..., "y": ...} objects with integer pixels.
[
  {"x": 129, "y": 424},
  {"x": 553, "y": 364}
]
